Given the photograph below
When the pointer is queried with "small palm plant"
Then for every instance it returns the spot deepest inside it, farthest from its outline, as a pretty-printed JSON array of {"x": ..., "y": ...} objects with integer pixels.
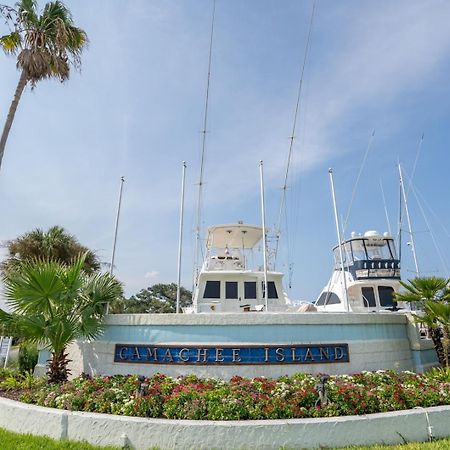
[
  {"x": 432, "y": 297},
  {"x": 53, "y": 304},
  {"x": 46, "y": 45}
]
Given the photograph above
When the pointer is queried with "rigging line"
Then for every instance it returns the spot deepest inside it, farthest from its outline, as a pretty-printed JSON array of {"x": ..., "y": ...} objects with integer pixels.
[
  {"x": 433, "y": 238},
  {"x": 355, "y": 187},
  {"x": 431, "y": 210},
  {"x": 385, "y": 208},
  {"x": 419, "y": 149},
  {"x": 294, "y": 125},
  {"x": 202, "y": 158}
]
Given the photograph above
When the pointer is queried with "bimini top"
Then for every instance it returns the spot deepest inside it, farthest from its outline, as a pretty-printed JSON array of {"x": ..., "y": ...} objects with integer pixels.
[{"x": 235, "y": 235}]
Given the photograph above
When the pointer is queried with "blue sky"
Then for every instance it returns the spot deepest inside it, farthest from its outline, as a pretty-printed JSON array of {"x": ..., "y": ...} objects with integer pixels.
[{"x": 136, "y": 110}]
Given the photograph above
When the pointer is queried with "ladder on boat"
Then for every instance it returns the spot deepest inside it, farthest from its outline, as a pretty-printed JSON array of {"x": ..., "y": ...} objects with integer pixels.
[{"x": 5, "y": 347}]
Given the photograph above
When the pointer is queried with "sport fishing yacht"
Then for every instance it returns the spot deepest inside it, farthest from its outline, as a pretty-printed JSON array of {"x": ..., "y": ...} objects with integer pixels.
[
  {"x": 230, "y": 279},
  {"x": 367, "y": 277}
]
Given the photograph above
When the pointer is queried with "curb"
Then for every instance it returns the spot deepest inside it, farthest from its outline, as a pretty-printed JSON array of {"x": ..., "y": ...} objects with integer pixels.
[{"x": 142, "y": 433}]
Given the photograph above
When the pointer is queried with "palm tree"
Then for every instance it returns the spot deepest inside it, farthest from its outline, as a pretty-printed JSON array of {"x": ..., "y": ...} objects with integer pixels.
[
  {"x": 45, "y": 45},
  {"x": 53, "y": 304},
  {"x": 55, "y": 244},
  {"x": 432, "y": 297}
]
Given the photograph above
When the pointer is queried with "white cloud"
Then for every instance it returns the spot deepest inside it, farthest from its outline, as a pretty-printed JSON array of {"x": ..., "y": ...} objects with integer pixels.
[{"x": 152, "y": 274}]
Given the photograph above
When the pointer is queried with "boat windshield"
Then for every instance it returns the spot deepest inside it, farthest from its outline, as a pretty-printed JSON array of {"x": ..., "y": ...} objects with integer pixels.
[{"x": 365, "y": 250}]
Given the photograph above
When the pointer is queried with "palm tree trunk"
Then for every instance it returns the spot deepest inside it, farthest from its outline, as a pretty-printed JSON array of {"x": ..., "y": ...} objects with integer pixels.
[
  {"x": 436, "y": 336},
  {"x": 23, "y": 80},
  {"x": 57, "y": 368}
]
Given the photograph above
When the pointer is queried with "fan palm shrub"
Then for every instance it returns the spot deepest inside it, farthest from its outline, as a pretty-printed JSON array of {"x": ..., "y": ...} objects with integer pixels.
[
  {"x": 53, "y": 304},
  {"x": 431, "y": 295}
]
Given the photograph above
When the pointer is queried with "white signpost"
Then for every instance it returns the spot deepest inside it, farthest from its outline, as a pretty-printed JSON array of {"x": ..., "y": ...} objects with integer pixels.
[{"x": 5, "y": 346}]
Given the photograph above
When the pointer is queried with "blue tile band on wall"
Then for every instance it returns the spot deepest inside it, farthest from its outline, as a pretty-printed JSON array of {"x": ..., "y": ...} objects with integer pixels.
[{"x": 226, "y": 354}]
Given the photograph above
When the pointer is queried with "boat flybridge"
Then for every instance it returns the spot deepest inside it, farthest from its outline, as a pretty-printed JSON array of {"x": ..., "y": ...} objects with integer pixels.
[
  {"x": 366, "y": 278},
  {"x": 229, "y": 281}
]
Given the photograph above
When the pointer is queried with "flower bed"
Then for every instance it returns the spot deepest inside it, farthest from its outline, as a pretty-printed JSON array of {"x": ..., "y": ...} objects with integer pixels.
[{"x": 190, "y": 397}]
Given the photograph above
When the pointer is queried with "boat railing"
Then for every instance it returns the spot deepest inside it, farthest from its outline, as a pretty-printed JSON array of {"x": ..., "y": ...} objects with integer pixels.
[
  {"x": 374, "y": 268},
  {"x": 224, "y": 263}
]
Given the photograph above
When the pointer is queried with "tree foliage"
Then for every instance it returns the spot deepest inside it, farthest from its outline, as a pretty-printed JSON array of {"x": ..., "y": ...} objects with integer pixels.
[
  {"x": 45, "y": 43},
  {"x": 54, "y": 303},
  {"x": 55, "y": 244},
  {"x": 159, "y": 298},
  {"x": 431, "y": 296}
]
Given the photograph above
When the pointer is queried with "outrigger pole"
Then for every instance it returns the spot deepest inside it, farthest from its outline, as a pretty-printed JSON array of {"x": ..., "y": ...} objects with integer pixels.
[
  {"x": 340, "y": 242},
  {"x": 405, "y": 201},
  {"x": 263, "y": 221},
  {"x": 116, "y": 228},
  {"x": 180, "y": 237},
  {"x": 202, "y": 157},
  {"x": 292, "y": 137}
]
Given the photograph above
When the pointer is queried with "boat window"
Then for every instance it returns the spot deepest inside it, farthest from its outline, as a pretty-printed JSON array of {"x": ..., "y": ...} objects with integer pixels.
[
  {"x": 358, "y": 250},
  {"x": 346, "y": 256},
  {"x": 391, "y": 245},
  {"x": 231, "y": 289},
  {"x": 272, "y": 289},
  {"x": 377, "y": 251},
  {"x": 332, "y": 299},
  {"x": 386, "y": 294},
  {"x": 348, "y": 253},
  {"x": 249, "y": 289},
  {"x": 328, "y": 298},
  {"x": 368, "y": 297},
  {"x": 212, "y": 289}
]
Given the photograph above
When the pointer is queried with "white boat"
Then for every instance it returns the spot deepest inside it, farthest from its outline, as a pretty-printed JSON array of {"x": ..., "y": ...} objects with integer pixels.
[
  {"x": 369, "y": 279},
  {"x": 230, "y": 279}
]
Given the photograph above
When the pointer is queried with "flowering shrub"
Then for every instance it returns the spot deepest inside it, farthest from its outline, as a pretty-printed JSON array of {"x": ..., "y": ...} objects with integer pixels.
[{"x": 240, "y": 398}]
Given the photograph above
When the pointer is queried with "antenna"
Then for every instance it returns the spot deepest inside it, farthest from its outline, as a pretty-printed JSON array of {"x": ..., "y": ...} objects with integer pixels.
[
  {"x": 292, "y": 137},
  {"x": 202, "y": 158}
]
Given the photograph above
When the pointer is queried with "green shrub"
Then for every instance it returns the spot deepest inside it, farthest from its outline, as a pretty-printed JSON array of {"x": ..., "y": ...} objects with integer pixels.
[{"x": 28, "y": 357}]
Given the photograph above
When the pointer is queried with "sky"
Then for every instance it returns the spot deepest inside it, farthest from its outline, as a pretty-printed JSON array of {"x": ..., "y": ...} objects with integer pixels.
[{"x": 136, "y": 110}]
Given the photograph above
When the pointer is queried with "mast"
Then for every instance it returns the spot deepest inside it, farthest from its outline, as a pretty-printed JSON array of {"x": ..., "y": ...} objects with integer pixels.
[
  {"x": 116, "y": 228},
  {"x": 338, "y": 232},
  {"x": 180, "y": 237},
  {"x": 202, "y": 157},
  {"x": 292, "y": 136},
  {"x": 263, "y": 221},
  {"x": 405, "y": 200}
]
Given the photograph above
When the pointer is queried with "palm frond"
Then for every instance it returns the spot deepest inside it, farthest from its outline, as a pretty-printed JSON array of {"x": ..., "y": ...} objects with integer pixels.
[
  {"x": 50, "y": 43},
  {"x": 11, "y": 43},
  {"x": 27, "y": 11}
]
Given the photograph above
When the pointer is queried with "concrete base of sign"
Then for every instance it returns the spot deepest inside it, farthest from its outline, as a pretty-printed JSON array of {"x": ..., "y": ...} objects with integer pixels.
[
  {"x": 375, "y": 341},
  {"x": 139, "y": 433}
]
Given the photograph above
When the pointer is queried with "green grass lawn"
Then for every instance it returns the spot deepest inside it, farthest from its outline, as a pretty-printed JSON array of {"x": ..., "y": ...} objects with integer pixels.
[
  {"x": 443, "y": 444},
  {"x": 13, "y": 441}
]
